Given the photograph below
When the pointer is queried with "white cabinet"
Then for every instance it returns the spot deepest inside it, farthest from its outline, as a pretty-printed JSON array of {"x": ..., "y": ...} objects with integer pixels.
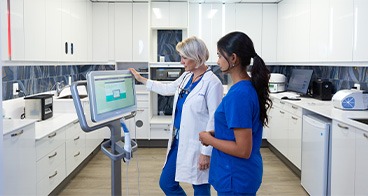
[
  {"x": 20, "y": 162},
  {"x": 160, "y": 131},
  {"x": 131, "y": 32},
  {"x": 361, "y": 150},
  {"x": 12, "y": 45},
  {"x": 319, "y": 30},
  {"x": 75, "y": 146},
  {"x": 360, "y": 42},
  {"x": 140, "y": 32},
  {"x": 269, "y": 33},
  {"x": 301, "y": 31},
  {"x": 285, "y": 131},
  {"x": 50, "y": 153},
  {"x": 342, "y": 159},
  {"x": 54, "y": 46},
  {"x": 100, "y": 32},
  {"x": 169, "y": 15},
  {"x": 34, "y": 30},
  {"x": 341, "y": 30}
]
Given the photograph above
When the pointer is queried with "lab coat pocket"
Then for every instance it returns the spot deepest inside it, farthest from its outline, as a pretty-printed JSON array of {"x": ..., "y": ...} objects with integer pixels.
[{"x": 199, "y": 104}]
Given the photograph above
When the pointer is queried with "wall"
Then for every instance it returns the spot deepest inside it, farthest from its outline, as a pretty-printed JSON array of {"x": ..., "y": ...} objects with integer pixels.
[
  {"x": 38, "y": 79},
  {"x": 341, "y": 77}
]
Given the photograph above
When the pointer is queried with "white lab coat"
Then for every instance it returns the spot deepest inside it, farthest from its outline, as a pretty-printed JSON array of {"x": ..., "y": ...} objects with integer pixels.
[{"x": 197, "y": 115}]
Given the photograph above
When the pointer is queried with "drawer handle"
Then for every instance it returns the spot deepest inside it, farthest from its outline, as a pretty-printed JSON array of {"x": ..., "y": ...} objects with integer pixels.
[
  {"x": 16, "y": 134},
  {"x": 76, "y": 122},
  {"x": 282, "y": 102},
  {"x": 294, "y": 107},
  {"x": 77, "y": 138},
  {"x": 166, "y": 129},
  {"x": 342, "y": 127},
  {"x": 51, "y": 156},
  {"x": 282, "y": 112},
  {"x": 294, "y": 118},
  {"x": 77, "y": 154},
  {"x": 52, "y": 135},
  {"x": 140, "y": 110},
  {"x": 53, "y": 175},
  {"x": 365, "y": 135}
]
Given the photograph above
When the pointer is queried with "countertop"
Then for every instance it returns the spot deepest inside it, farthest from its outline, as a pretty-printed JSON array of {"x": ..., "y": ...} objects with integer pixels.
[
  {"x": 326, "y": 109},
  {"x": 10, "y": 125},
  {"x": 59, "y": 120}
]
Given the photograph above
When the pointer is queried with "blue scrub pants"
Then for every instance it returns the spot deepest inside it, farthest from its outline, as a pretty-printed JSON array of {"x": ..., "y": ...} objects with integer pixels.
[{"x": 167, "y": 178}]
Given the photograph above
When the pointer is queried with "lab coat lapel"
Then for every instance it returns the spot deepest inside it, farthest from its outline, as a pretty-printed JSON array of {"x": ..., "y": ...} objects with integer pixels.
[{"x": 199, "y": 86}]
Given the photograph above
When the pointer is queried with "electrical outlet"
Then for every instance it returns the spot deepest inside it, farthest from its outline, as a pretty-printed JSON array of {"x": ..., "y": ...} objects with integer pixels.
[{"x": 15, "y": 88}]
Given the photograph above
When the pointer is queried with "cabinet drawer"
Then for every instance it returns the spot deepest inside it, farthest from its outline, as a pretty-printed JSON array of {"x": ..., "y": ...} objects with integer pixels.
[
  {"x": 53, "y": 179},
  {"x": 75, "y": 153},
  {"x": 52, "y": 141},
  {"x": 142, "y": 104},
  {"x": 142, "y": 97},
  {"x": 160, "y": 131},
  {"x": 48, "y": 163},
  {"x": 293, "y": 109},
  {"x": 72, "y": 130}
]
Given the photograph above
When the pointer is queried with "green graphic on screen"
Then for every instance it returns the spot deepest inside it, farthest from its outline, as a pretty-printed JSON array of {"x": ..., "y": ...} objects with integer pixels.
[{"x": 114, "y": 93}]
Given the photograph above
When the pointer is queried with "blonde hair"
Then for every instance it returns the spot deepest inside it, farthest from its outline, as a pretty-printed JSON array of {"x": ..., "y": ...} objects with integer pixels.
[{"x": 193, "y": 48}]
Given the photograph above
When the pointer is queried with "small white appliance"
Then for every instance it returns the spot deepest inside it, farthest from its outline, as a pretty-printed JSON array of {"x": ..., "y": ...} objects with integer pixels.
[
  {"x": 277, "y": 83},
  {"x": 315, "y": 176},
  {"x": 350, "y": 99}
]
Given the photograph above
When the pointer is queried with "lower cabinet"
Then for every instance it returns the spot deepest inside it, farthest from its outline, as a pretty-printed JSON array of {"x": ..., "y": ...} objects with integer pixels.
[
  {"x": 285, "y": 130},
  {"x": 50, "y": 162},
  {"x": 75, "y": 146},
  {"x": 160, "y": 131},
  {"x": 20, "y": 162},
  {"x": 349, "y": 160}
]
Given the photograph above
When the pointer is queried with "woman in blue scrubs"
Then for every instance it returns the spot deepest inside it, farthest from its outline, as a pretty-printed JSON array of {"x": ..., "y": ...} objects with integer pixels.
[{"x": 236, "y": 162}]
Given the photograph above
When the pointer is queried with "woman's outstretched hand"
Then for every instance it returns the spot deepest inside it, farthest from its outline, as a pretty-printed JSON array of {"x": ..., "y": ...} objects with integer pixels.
[{"x": 138, "y": 76}]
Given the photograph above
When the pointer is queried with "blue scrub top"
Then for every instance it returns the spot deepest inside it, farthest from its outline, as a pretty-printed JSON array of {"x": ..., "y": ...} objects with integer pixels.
[
  {"x": 181, "y": 99},
  {"x": 238, "y": 109}
]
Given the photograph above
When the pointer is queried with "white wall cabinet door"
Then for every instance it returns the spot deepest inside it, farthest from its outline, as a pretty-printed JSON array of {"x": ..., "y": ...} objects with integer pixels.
[
  {"x": 301, "y": 31},
  {"x": 194, "y": 20},
  {"x": 34, "y": 30},
  {"x": 160, "y": 14},
  {"x": 123, "y": 32},
  {"x": 249, "y": 20},
  {"x": 282, "y": 31},
  {"x": 54, "y": 46},
  {"x": 360, "y": 42},
  {"x": 12, "y": 47},
  {"x": 169, "y": 14},
  {"x": 342, "y": 159},
  {"x": 319, "y": 30},
  {"x": 140, "y": 32},
  {"x": 341, "y": 30},
  {"x": 230, "y": 17},
  {"x": 78, "y": 30},
  {"x": 361, "y": 172},
  {"x": 178, "y": 14},
  {"x": 100, "y": 32},
  {"x": 269, "y": 33}
]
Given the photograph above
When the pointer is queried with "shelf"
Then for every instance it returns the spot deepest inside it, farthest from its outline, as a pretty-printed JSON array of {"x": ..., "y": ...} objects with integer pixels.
[{"x": 160, "y": 120}]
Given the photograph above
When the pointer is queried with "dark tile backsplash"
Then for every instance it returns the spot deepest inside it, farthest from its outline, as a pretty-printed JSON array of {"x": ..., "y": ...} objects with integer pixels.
[
  {"x": 35, "y": 79},
  {"x": 166, "y": 44},
  {"x": 341, "y": 77}
]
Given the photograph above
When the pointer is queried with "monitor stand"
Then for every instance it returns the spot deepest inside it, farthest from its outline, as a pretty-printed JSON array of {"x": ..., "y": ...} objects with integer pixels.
[{"x": 114, "y": 147}]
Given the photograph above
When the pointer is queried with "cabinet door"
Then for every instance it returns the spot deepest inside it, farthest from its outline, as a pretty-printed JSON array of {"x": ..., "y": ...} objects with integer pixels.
[
  {"x": 319, "y": 30},
  {"x": 193, "y": 20},
  {"x": 341, "y": 32},
  {"x": 34, "y": 30},
  {"x": 249, "y": 20},
  {"x": 295, "y": 140},
  {"x": 361, "y": 172},
  {"x": 141, "y": 124},
  {"x": 360, "y": 43},
  {"x": 66, "y": 27},
  {"x": 54, "y": 46},
  {"x": 100, "y": 32},
  {"x": 123, "y": 32},
  {"x": 12, "y": 47},
  {"x": 269, "y": 33},
  {"x": 342, "y": 159},
  {"x": 301, "y": 31},
  {"x": 20, "y": 162},
  {"x": 140, "y": 32},
  {"x": 282, "y": 33},
  {"x": 78, "y": 31},
  {"x": 160, "y": 14},
  {"x": 230, "y": 17},
  {"x": 178, "y": 14}
]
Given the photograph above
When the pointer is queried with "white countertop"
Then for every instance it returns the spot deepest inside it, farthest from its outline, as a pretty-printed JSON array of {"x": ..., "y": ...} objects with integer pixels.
[
  {"x": 59, "y": 120},
  {"x": 326, "y": 109},
  {"x": 10, "y": 125}
]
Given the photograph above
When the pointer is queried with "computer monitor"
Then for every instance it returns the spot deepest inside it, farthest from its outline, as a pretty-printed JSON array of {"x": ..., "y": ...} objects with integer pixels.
[
  {"x": 111, "y": 94},
  {"x": 299, "y": 81}
]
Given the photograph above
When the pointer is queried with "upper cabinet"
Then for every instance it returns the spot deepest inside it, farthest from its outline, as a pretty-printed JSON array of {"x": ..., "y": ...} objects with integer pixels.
[
  {"x": 172, "y": 15},
  {"x": 100, "y": 32},
  {"x": 360, "y": 42}
]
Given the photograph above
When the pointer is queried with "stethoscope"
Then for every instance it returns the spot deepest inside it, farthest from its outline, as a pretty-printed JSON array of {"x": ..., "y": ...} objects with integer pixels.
[{"x": 189, "y": 89}]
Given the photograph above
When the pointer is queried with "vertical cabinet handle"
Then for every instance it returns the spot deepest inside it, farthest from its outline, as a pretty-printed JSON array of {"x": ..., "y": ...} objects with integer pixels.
[
  {"x": 66, "y": 47},
  {"x": 72, "y": 48}
]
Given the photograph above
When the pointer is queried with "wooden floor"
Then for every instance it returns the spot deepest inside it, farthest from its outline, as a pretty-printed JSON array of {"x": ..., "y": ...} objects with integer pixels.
[{"x": 142, "y": 174}]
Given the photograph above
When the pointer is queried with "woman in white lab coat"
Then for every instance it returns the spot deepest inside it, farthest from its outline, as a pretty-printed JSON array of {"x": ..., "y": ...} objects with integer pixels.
[{"x": 197, "y": 93}]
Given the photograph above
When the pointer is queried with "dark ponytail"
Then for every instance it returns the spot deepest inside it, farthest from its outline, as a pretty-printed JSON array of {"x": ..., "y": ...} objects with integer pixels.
[{"x": 240, "y": 44}]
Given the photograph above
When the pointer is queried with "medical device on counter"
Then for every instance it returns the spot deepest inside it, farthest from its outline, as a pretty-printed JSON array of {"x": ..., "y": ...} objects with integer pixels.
[
  {"x": 350, "y": 99},
  {"x": 111, "y": 97},
  {"x": 277, "y": 83}
]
